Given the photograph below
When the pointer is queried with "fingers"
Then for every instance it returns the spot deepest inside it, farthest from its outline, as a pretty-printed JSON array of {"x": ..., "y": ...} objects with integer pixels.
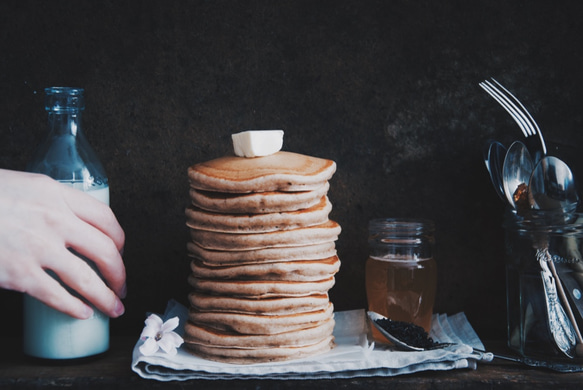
[
  {"x": 100, "y": 238},
  {"x": 100, "y": 249},
  {"x": 95, "y": 234},
  {"x": 84, "y": 285},
  {"x": 49, "y": 291},
  {"x": 41, "y": 220},
  {"x": 95, "y": 213},
  {"x": 79, "y": 276}
]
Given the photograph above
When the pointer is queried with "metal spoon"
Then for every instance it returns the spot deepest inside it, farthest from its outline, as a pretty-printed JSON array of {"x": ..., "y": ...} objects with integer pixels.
[
  {"x": 552, "y": 186},
  {"x": 560, "y": 325},
  {"x": 556, "y": 366},
  {"x": 516, "y": 170},
  {"x": 494, "y": 155},
  {"x": 376, "y": 317}
]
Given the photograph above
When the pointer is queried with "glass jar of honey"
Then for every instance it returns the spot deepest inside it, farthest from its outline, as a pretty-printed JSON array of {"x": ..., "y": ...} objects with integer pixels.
[{"x": 400, "y": 272}]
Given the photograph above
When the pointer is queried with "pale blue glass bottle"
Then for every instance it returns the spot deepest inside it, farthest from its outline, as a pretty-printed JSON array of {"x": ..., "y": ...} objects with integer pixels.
[{"x": 65, "y": 155}]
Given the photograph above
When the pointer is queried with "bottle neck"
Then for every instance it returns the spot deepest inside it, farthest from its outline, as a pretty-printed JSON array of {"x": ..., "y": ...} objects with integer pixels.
[{"x": 61, "y": 123}]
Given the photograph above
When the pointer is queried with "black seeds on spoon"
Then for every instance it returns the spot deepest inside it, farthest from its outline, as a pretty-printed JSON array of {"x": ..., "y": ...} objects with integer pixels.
[{"x": 407, "y": 332}]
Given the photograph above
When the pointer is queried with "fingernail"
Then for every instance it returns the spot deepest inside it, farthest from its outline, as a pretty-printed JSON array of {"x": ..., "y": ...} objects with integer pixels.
[
  {"x": 119, "y": 309},
  {"x": 87, "y": 312}
]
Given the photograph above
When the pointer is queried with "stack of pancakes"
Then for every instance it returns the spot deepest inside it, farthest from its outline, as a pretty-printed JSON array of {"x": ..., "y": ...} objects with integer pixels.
[{"x": 263, "y": 258}]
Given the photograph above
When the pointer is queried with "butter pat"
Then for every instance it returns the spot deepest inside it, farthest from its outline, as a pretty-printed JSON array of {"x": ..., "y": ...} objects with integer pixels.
[{"x": 257, "y": 143}]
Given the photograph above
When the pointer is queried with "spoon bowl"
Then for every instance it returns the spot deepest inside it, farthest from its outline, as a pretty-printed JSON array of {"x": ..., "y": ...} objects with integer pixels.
[
  {"x": 552, "y": 186},
  {"x": 516, "y": 170},
  {"x": 416, "y": 331},
  {"x": 494, "y": 154}
]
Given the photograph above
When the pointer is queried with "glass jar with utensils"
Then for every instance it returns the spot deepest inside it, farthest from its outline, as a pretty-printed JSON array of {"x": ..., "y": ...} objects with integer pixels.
[
  {"x": 544, "y": 240},
  {"x": 544, "y": 282}
]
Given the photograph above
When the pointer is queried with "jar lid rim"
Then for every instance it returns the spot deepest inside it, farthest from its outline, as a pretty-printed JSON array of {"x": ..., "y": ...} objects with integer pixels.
[
  {"x": 403, "y": 225},
  {"x": 402, "y": 222},
  {"x": 64, "y": 90}
]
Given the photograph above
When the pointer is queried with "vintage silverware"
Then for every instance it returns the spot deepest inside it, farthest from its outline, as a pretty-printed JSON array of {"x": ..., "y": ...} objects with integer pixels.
[
  {"x": 494, "y": 155},
  {"x": 376, "y": 319},
  {"x": 516, "y": 171},
  {"x": 518, "y": 112},
  {"x": 552, "y": 186},
  {"x": 560, "y": 326}
]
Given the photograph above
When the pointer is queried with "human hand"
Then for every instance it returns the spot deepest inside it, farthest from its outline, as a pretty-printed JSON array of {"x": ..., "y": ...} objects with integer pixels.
[{"x": 40, "y": 220}]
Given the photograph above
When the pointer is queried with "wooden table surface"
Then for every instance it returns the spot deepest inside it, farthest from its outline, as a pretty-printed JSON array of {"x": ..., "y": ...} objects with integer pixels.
[{"x": 113, "y": 371}]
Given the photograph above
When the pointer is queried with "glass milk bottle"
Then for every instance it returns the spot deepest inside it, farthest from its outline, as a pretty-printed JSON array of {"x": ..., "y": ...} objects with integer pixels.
[{"x": 66, "y": 156}]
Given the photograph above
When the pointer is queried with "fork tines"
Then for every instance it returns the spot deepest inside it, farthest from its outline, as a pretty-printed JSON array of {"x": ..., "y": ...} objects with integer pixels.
[{"x": 515, "y": 108}]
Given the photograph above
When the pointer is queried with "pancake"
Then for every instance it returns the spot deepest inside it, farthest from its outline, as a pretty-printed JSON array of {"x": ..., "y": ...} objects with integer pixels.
[
  {"x": 203, "y": 335},
  {"x": 252, "y": 324},
  {"x": 316, "y": 234},
  {"x": 252, "y": 356},
  {"x": 293, "y": 271},
  {"x": 260, "y": 288},
  {"x": 258, "y": 223},
  {"x": 268, "y": 255},
  {"x": 257, "y": 202},
  {"x": 269, "y": 306},
  {"x": 263, "y": 258},
  {"x": 282, "y": 171}
]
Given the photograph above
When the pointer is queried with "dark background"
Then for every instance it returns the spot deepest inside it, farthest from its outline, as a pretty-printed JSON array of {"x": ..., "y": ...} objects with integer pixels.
[{"x": 387, "y": 89}]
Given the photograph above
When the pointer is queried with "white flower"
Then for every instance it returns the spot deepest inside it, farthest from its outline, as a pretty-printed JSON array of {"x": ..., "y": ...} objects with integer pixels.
[{"x": 158, "y": 334}]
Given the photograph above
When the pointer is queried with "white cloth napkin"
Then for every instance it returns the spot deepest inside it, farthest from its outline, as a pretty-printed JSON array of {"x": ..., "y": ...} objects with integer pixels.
[{"x": 352, "y": 357}]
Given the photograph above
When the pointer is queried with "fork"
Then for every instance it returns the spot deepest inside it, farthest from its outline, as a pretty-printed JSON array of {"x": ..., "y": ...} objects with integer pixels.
[{"x": 516, "y": 109}]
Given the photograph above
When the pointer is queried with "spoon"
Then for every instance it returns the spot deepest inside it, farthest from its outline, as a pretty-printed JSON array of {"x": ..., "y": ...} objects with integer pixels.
[
  {"x": 552, "y": 186},
  {"x": 516, "y": 172},
  {"x": 562, "y": 323},
  {"x": 378, "y": 319},
  {"x": 417, "y": 333},
  {"x": 494, "y": 154}
]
